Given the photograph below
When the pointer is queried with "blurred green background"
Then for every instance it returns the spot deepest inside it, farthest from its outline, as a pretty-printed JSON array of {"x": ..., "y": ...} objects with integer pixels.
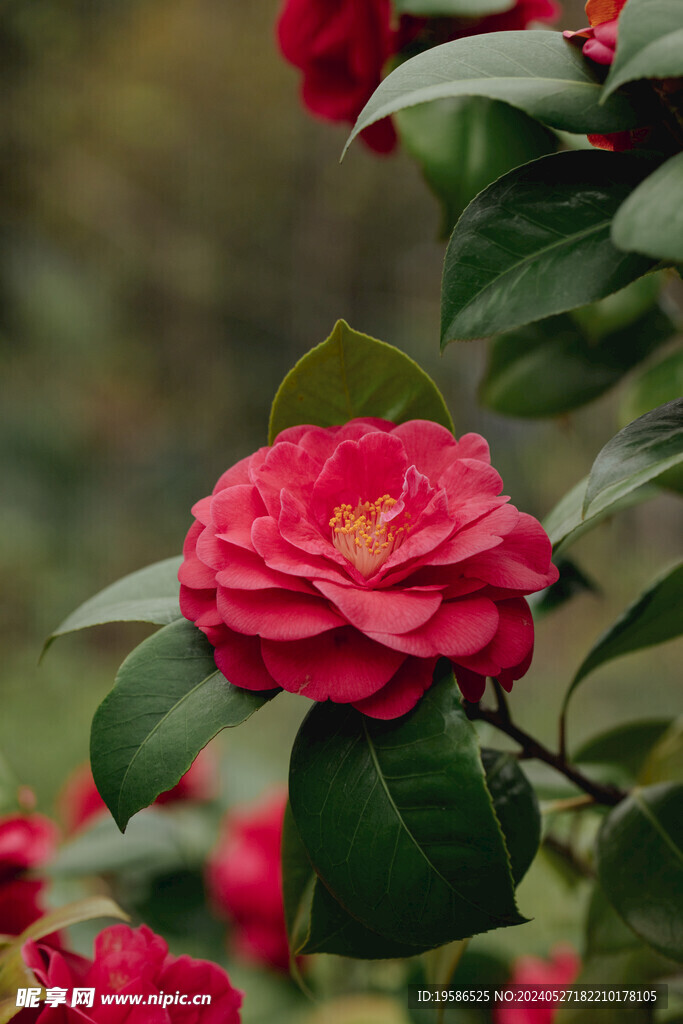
[{"x": 175, "y": 232}]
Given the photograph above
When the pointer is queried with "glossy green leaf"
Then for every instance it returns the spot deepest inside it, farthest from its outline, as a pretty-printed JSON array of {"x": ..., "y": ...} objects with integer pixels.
[
  {"x": 537, "y": 242},
  {"x": 534, "y": 70},
  {"x": 566, "y": 522},
  {"x": 660, "y": 383},
  {"x": 552, "y": 367},
  {"x": 316, "y": 923},
  {"x": 168, "y": 702},
  {"x": 398, "y": 822},
  {"x": 650, "y": 221},
  {"x": 452, "y": 8},
  {"x": 463, "y": 144},
  {"x": 640, "y": 452},
  {"x": 627, "y": 746},
  {"x": 352, "y": 375},
  {"x": 148, "y": 595},
  {"x": 653, "y": 618},
  {"x": 614, "y": 955},
  {"x": 650, "y": 43},
  {"x": 516, "y": 808},
  {"x": 640, "y": 865}
]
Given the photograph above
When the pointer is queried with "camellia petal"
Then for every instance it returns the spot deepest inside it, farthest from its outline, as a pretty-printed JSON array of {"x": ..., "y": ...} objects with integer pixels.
[
  {"x": 275, "y": 614},
  {"x": 239, "y": 658},
  {"x": 370, "y": 610},
  {"x": 458, "y": 629},
  {"x": 356, "y": 556},
  {"x": 402, "y": 692},
  {"x": 342, "y": 665}
]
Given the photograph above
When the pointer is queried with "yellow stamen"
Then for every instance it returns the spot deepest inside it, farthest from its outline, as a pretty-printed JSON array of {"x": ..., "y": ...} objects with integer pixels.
[{"x": 364, "y": 537}]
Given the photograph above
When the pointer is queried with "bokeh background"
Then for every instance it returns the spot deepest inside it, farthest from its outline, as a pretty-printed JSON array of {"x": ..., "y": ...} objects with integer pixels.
[{"x": 176, "y": 232}]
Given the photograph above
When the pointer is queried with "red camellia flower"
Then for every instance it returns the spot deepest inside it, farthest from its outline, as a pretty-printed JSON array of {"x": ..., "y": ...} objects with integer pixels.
[
  {"x": 26, "y": 841},
  {"x": 561, "y": 969},
  {"x": 601, "y": 36},
  {"x": 244, "y": 879},
  {"x": 79, "y": 801},
  {"x": 342, "y": 47},
  {"x": 132, "y": 961},
  {"x": 341, "y": 562},
  {"x": 600, "y": 46}
]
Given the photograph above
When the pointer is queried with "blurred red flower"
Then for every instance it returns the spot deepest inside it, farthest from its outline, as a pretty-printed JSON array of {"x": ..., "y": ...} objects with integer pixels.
[
  {"x": 561, "y": 969},
  {"x": 79, "y": 801},
  {"x": 244, "y": 880},
  {"x": 26, "y": 841},
  {"x": 343, "y": 46},
  {"x": 131, "y": 961}
]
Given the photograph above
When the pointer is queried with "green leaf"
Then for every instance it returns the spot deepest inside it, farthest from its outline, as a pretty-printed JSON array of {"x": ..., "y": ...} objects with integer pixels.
[
  {"x": 650, "y": 221},
  {"x": 316, "y": 923},
  {"x": 534, "y": 70},
  {"x": 653, "y": 618},
  {"x": 552, "y": 367},
  {"x": 168, "y": 702},
  {"x": 660, "y": 383},
  {"x": 148, "y": 595},
  {"x": 640, "y": 865},
  {"x": 639, "y": 453},
  {"x": 566, "y": 522},
  {"x": 452, "y": 8},
  {"x": 87, "y": 909},
  {"x": 614, "y": 955},
  {"x": 398, "y": 822},
  {"x": 650, "y": 43},
  {"x": 536, "y": 242},
  {"x": 463, "y": 144},
  {"x": 516, "y": 809},
  {"x": 626, "y": 746},
  {"x": 352, "y": 375}
]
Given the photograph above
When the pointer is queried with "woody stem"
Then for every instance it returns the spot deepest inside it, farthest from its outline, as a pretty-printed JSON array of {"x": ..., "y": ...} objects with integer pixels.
[{"x": 531, "y": 748}]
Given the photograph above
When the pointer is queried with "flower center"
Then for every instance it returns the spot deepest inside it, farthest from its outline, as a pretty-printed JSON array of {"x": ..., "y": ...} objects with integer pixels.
[{"x": 368, "y": 534}]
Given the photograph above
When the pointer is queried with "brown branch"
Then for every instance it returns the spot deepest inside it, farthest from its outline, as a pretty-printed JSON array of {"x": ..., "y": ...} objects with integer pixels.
[{"x": 531, "y": 748}]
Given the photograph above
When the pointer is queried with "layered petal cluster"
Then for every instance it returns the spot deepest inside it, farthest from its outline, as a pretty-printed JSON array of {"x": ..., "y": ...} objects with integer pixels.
[
  {"x": 601, "y": 35},
  {"x": 343, "y": 46},
  {"x": 244, "y": 881},
  {"x": 79, "y": 802},
  {"x": 131, "y": 961},
  {"x": 340, "y": 563},
  {"x": 26, "y": 841}
]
